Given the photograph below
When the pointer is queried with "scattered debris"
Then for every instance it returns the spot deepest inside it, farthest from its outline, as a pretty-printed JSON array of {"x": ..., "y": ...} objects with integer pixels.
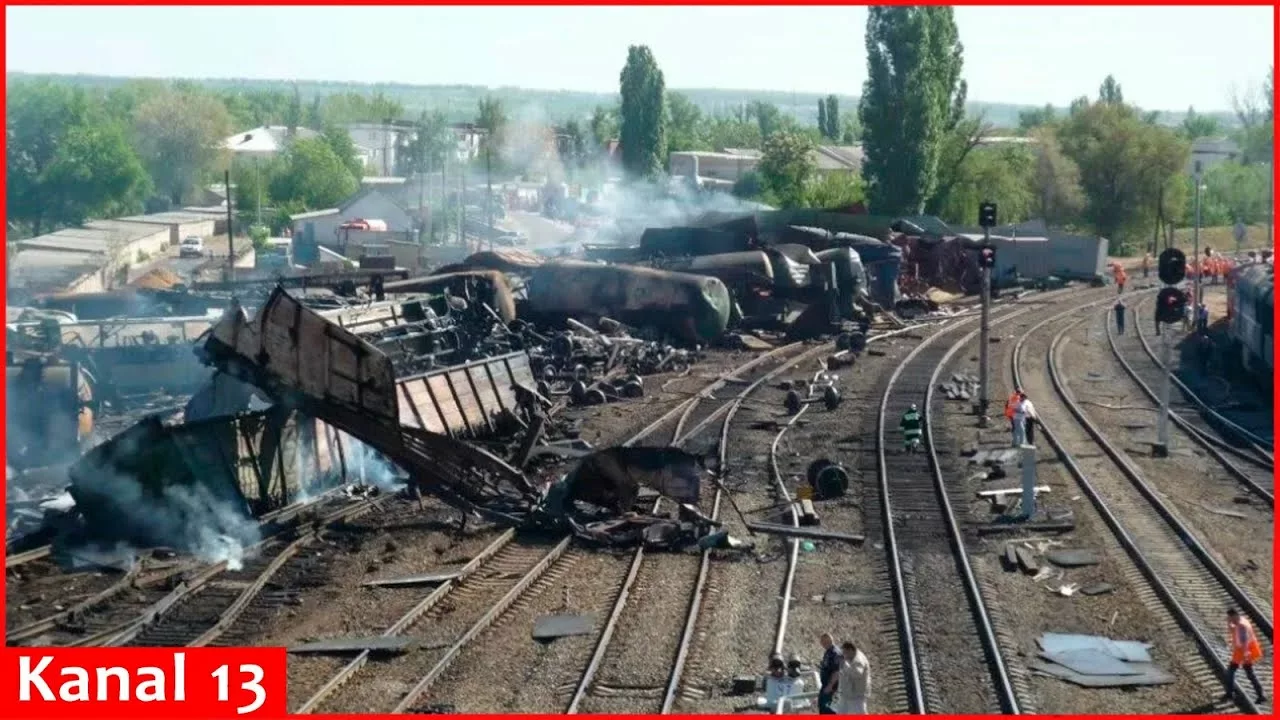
[
  {"x": 1073, "y": 558},
  {"x": 553, "y": 627},
  {"x": 1095, "y": 661}
]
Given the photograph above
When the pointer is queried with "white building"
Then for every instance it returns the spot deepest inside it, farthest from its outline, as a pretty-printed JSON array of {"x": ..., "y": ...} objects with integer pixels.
[
  {"x": 265, "y": 142},
  {"x": 1211, "y": 151}
]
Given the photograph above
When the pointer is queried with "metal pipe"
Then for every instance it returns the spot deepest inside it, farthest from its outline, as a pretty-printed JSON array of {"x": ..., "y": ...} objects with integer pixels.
[{"x": 1162, "y": 440}]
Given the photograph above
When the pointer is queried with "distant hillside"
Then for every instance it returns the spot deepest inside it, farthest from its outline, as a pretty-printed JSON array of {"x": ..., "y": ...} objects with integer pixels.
[{"x": 459, "y": 101}]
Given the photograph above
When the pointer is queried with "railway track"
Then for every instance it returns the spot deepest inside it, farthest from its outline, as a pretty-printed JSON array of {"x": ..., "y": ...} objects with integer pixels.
[
  {"x": 1252, "y": 465},
  {"x": 1194, "y": 588},
  {"x": 1263, "y": 447},
  {"x": 140, "y": 603},
  {"x": 404, "y": 683},
  {"x": 926, "y": 553}
]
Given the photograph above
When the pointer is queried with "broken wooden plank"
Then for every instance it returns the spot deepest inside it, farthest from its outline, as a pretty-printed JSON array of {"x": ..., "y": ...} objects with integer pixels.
[
  {"x": 1027, "y": 560},
  {"x": 1009, "y": 558},
  {"x": 530, "y": 439},
  {"x": 808, "y": 514},
  {"x": 812, "y": 534},
  {"x": 411, "y": 580}
]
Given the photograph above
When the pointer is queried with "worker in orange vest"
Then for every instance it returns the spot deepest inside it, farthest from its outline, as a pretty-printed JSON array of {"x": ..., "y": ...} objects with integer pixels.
[
  {"x": 1011, "y": 405},
  {"x": 1245, "y": 651},
  {"x": 1120, "y": 277}
]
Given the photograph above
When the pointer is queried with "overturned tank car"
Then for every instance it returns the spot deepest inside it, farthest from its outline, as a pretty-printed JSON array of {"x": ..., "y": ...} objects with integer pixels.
[{"x": 692, "y": 308}]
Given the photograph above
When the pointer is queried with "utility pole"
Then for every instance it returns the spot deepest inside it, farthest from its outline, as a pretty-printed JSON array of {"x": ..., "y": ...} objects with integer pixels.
[
  {"x": 231, "y": 229},
  {"x": 444, "y": 199},
  {"x": 1195, "y": 249},
  {"x": 1271, "y": 169},
  {"x": 986, "y": 259},
  {"x": 462, "y": 207},
  {"x": 1170, "y": 304},
  {"x": 488, "y": 181}
]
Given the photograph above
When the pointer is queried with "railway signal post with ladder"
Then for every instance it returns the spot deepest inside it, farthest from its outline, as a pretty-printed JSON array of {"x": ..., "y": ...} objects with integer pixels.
[
  {"x": 986, "y": 261},
  {"x": 1171, "y": 304}
]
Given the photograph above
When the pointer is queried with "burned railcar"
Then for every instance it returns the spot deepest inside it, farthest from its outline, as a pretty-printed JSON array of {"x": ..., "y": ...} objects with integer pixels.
[
  {"x": 692, "y": 308},
  {"x": 49, "y": 412}
]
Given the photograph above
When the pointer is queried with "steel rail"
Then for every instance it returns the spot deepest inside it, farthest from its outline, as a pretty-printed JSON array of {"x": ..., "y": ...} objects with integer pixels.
[{"x": 1175, "y": 607}]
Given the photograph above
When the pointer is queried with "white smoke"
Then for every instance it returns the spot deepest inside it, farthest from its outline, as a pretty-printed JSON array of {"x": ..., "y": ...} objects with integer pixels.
[
  {"x": 189, "y": 517},
  {"x": 365, "y": 466}
]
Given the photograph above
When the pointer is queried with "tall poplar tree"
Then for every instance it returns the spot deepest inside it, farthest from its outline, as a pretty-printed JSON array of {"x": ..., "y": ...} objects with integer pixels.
[
  {"x": 643, "y": 131},
  {"x": 912, "y": 99}
]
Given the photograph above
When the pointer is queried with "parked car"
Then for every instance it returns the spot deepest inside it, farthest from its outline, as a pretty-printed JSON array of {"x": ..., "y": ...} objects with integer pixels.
[{"x": 192, "y": 246}]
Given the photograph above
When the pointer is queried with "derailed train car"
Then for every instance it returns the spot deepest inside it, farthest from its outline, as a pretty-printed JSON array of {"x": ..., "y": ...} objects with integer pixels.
[
  {"x": 49, "y": 412},
  {"x": 1251, "y": 298},
  {"x": 692, "y": 308}
]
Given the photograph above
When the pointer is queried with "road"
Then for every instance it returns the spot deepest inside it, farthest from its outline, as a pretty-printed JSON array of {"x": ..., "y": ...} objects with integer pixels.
[{"x": 540, "y": 231}]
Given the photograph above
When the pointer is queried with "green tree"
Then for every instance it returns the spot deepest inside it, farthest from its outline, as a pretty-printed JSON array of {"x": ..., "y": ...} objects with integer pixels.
[
  {"x": 1126, "y": 167},
  {"x": 1003, "y": 174},
  {"x": 429, "y": 148},
  {"x": 575, "y": 152},
  {"x": 492, "y": 118},
  {"x": 179, "y": 136},
  {"x": 832, "y": 129},
  {"x": 684, "y": 128},
  {"x": 1109, "y": 92},
  {"x": 768, "y": 117},
  {"x": 603, "y": 126},
  {"x": 315, "y": 114},
  {"x": 786, "y": 168},
  {"x": 65, "y": 159},
  {"x": 1037, "y": 117},
  {"x": 850, "y": 129},
  {"x": 643, "y": 132},
  {"x": 835, "y": 190},
  {"x": 293, "y": 113},
  {"x": 312, "y": 176},
  {"x": 1055, "y": 181},
  {"x": 912, "y": 99},
  {"x": 1195, "y": 125},
  {"x": 344, "y": 148},
  {"x": 1232, "y": 192},
  {"x": 822, "y": 118},
  {"x": 1256, "y": 114},
  {"x": 730, "y": 132}
]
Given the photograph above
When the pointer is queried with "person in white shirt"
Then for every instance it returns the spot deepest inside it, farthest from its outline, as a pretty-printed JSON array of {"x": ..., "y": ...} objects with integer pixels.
[
  {"x": 854, "y": 683},
  {"x": 782, "y": 680},
  {"x": 1024, "y": 414}
]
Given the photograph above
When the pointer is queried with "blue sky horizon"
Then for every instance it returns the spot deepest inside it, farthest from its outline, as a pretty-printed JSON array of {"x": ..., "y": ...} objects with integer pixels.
[{"x": 1165, "y": 58}]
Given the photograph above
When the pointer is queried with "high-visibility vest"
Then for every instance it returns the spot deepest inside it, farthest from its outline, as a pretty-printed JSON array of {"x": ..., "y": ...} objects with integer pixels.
[
  {"x": 1245, "y": 647},
  {"x": 1010, "y": 405}
]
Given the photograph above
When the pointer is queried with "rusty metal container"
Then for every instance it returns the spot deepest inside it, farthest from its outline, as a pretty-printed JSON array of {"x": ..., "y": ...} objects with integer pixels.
[{"x": 694, "y": 308}]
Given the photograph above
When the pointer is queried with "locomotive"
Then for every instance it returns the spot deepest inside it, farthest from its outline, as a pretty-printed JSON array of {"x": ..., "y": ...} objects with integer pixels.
[{"x": 1251, "y": 303}]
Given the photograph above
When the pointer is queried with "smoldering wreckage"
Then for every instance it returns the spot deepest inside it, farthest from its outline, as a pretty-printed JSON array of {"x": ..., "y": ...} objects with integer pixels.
[{"x": 452, "y": 385}]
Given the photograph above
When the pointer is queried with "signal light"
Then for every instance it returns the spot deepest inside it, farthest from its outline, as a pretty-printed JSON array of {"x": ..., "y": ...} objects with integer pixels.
[
  {"x": 1171, "y": 304},
  {"x": 987, "y": 215},
  {"x": 987, "y": 256},
  {"x": 1172, "y": 266}
]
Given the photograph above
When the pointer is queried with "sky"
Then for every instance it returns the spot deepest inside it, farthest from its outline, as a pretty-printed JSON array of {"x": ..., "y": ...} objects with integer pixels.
[{"x": 1165, "y": 58}]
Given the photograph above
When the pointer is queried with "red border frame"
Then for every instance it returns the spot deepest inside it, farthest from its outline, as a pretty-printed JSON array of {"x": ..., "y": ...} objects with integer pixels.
[{"x": 8, "y": 705}]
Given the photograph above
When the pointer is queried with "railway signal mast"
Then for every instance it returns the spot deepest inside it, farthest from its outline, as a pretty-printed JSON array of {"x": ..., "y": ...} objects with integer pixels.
[
  {"x": 1171, "y": 305},
  {"x": 986, "y": 261}
]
